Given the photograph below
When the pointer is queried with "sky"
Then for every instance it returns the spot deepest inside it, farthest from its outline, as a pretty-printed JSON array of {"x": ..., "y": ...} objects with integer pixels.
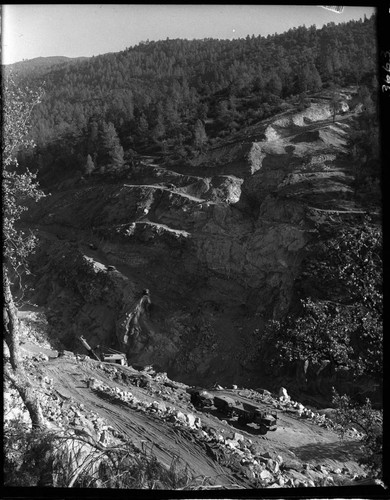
[{"x": 74, "y": 30}]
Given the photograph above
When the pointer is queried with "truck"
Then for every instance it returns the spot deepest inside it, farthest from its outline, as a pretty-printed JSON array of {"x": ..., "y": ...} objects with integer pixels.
[
  {"x": 246, "y": 413},
  {"x": 225, "y": 405},
  {"x": 200, "y": 397}
]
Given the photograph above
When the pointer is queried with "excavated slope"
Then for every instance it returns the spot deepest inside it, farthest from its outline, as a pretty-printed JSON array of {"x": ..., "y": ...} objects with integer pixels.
[{"x": 218, "y": 247}]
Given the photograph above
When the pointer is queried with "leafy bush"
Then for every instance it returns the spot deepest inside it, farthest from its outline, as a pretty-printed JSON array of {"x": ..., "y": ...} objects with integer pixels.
[
  {"x": 342, "y": 320},
  {"x": 27, "y": 455},
  {"x": 366, "y": 419}
]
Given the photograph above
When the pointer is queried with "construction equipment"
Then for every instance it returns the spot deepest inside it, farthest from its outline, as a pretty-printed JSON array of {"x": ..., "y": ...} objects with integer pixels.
[
  {"x": 107, "y": 354},
  {"x": 91, "y": 352},
  {"x": 113, "y": 356}
]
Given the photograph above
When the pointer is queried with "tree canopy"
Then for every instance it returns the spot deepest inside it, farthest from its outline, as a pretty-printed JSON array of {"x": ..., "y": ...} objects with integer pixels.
[{"x": 19, "y": 185}]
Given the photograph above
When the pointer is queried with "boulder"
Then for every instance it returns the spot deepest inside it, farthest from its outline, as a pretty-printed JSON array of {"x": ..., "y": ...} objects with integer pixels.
[
  {"x": 198, "y": 423},
  {"x": 297, "y": 477},
  {"x": 231, "y": 443},
  {"x": 190, "y": 420},
  {"x": 158, "y": 405},
  {"x": 283, "y": 395},
  {"x": 273, "y": 466},
  {"x": 265, "y": 475},
  {"x": 238, "y": 437},
  {"x": 292, "y": 464},
  {"x": 93, "y": 383},
  {"x": 181, "y": 417},
  {"x": 322, "y": 469},
  {"x": 203, "y": 434}
]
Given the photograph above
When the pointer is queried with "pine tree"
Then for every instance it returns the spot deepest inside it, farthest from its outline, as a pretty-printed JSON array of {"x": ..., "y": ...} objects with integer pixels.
[
  {"x": 93, "y": 136},
  {"x": 159, "y": 129},
  {"x": 143, "y": 125},
  {"x": 200, "y": 136},
  {"x": 316, "y": 82},
  {"x": 89, "y": 166},
  {"x": 111, "y": 154},
  {"x": 274, "y": 84}
]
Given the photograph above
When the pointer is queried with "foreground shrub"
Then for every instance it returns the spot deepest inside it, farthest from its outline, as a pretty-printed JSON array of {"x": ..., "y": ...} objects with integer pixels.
[
  {"x": 351, "y": 414},
  {"x": 48, "y": 458}
]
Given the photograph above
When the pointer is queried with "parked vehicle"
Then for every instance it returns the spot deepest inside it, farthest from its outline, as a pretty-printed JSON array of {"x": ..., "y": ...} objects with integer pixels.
[
  {"x": 252, "y": 413},
  {"x": 200, "y": 397},
  {"x": 245, "y": 412},
  {"x": 224, "y": 404}
]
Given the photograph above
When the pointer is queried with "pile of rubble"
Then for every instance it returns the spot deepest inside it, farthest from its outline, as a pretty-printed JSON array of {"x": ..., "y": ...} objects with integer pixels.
[
  {"x": 159, "y": 408},
  {"x": 270, "y": 471}
]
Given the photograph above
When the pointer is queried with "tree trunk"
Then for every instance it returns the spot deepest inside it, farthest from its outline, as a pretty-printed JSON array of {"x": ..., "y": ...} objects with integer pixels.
[
  {"x": 16, "y": 374},
  {"x": 10, "y": 322},
  {"x": 27, "y": 393}
]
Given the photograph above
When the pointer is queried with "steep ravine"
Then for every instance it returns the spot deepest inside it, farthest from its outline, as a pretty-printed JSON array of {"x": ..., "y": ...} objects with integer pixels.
[{"x": 219, "y": 251}]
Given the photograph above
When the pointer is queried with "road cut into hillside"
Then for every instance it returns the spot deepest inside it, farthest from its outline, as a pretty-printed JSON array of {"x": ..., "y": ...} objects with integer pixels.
[
  {"x": 146, "y": 431},
  {"x": 295, "y": 440}
]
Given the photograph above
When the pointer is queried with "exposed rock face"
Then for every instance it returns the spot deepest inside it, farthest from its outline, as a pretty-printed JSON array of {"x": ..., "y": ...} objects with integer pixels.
[{"x": 218, "y": 252}]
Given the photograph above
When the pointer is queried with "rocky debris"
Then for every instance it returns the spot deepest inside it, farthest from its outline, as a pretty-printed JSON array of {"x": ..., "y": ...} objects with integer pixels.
[
  {"x": 283, "y": 402},
  {"x": 60, "y": 413},
  {"x": 165, "y": 412},
  {"x": 14, "y": 409},
  {"x": 253, "y": 462},
  {"x": 40, "y": 357},
  {"x": 268, "y": 469}
]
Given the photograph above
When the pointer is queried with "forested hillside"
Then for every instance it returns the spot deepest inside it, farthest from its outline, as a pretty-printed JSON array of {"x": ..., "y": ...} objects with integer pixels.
[
  {"x": 210, "y": 214},
  {"x": 181, "y": 96}
]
